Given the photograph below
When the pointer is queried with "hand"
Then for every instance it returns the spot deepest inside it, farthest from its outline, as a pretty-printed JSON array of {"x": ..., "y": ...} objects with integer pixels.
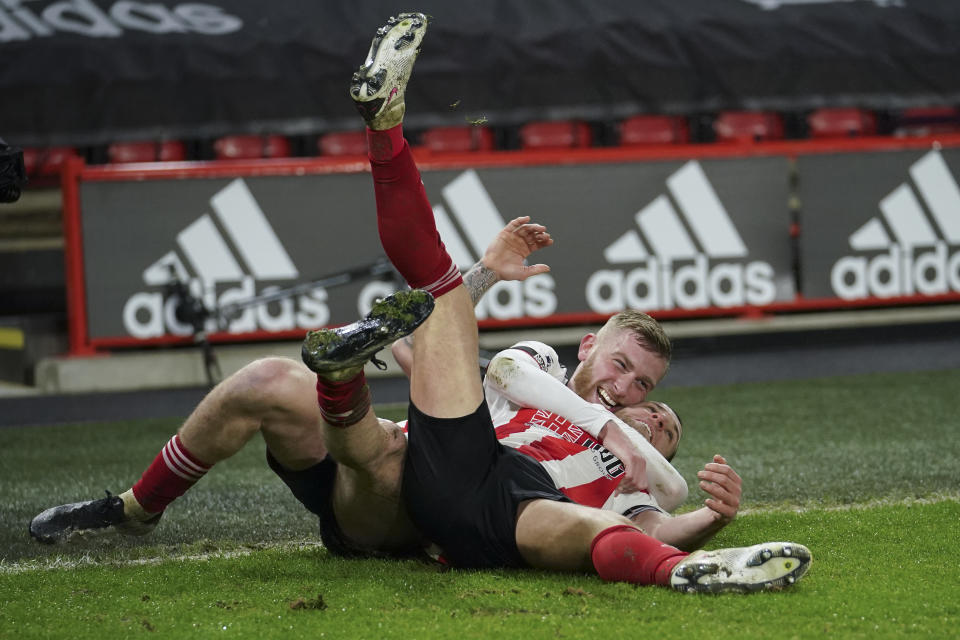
[
  {"x": 512, "y": 245},
  {"x": 635, "y": 475},
  {"x": 723, "y": 484},
  {"x": 634, "y": 464}
]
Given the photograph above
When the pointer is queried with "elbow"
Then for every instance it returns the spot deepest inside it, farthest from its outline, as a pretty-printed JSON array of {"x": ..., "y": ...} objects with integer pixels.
[
  {"x": 501, "y": 371},
  {"x": 674, "y": 491}
]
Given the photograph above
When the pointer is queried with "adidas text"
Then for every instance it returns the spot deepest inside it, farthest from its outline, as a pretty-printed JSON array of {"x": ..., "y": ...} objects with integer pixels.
[
  {"x": 694, "y": 285},
  {"x": 148, "y": 315},
  {"x": 24, "y": 20},
  {"x": 897, "y": 272},
  {"x": 534, "y": 297}
]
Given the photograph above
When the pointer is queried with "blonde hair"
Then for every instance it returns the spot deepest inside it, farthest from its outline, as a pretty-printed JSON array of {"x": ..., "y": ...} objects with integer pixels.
[{"x": 648, "y": 333}]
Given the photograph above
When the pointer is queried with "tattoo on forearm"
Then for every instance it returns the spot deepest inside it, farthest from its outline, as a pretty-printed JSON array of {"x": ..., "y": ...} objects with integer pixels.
[{"x": 478, "y": 281}]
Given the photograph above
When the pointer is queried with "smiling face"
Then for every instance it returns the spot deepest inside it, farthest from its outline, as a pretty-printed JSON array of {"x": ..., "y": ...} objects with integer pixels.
[
  {"x": 615, "y": 369},
  {"x": 656, "y": 422}
]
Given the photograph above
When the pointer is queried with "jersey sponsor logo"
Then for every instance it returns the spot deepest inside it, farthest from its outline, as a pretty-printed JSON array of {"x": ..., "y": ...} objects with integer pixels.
[
  {"x": 28, "y": 19},
  {"x": 222, "y": 257},
  {"x": 468, "y": 220},
  {"x": 607, "y": 463},
  {"x": 911, "y": 248},
  {"x": 688, "y": 253}
]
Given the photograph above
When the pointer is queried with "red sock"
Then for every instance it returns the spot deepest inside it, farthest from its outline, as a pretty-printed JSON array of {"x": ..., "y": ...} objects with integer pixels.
[
  {"x": 168, "y": 477},
  {"x": 626, "y": 554},
  {"x": 383, "y": 146},
  {"x": 343, "y": 403},
  {"x": 408, "y": 230}
]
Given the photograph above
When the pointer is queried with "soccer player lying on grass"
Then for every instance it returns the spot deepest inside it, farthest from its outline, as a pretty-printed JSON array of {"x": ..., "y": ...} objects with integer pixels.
[
  {"x": 482, "y": 504},
  {"x": 535, "y": 412}
]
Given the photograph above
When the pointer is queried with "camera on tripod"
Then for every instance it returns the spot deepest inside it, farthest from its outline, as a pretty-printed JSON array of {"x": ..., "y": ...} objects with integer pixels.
[{"x": 13, "y": 173}]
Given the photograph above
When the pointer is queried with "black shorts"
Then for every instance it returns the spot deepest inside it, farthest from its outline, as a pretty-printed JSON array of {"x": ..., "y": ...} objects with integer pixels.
[
  {"x": 313, "y": 487},
  {"x": 462, "y": 488}
]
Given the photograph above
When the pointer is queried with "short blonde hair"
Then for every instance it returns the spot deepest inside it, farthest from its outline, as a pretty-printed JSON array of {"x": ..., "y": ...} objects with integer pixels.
[{"x": 648, "y": 333}]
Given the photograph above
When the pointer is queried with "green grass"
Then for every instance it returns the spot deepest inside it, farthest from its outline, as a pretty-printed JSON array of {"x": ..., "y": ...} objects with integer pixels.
[
  {"x": 863, "y": 470},
  {"x": 873, "y": 576}
]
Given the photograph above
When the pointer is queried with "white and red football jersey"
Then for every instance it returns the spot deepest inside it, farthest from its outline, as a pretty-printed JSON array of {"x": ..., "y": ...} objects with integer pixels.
[{"x": 579, "y": 466}]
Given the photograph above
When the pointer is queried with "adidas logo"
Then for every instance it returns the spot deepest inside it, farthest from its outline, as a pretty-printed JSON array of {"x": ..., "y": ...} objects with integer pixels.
[
  {"x": 236, "y": 245},
  {"x": 909, "y": 240},
  {"x": 690, "y": 254},
  {"x": 479, "y": 222},
  {"x": 771, "y": 5},
  {"x": 94, "y": 20}
]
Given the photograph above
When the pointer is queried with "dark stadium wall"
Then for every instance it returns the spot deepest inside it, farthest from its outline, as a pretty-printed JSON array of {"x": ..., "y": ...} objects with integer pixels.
[{"x": 85, "y": 72}]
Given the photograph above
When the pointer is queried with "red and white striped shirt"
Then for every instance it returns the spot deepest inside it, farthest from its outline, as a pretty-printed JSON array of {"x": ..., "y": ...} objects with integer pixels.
[{"x": 579, "y": 465}]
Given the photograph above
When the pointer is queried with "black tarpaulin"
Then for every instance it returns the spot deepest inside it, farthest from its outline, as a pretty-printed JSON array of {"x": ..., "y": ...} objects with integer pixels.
[{"x": 93, "y": 71}]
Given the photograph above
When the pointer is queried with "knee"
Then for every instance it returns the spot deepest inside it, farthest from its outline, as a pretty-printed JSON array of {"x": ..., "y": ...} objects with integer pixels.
[
  {"x": 267, "y": 373},
  {"x": 268, "y": 383},
  {"x": 592, "y": 522}
]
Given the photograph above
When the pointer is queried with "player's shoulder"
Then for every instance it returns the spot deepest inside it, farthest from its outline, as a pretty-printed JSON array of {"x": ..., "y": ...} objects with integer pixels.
[
  {"x": 541, "y": 353},
  {"x": 544, "y": 355}
]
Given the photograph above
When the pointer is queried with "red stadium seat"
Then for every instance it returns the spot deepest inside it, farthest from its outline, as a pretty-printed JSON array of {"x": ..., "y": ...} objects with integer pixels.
[
  {"x": 343, "y": 143},
  {"x": 168, "y": 151},
  {"x": 928, "y": 121},
  {"x": 45, "y": 162},
  {"x": 841, "y": 123},
  {"x": 454, "y": 139},
  {"x": 563, "y": 134},
  {"x": 748, "y": 126},
  {"x": 251, "y": 147},
  {"x": 653, "y": 129}
]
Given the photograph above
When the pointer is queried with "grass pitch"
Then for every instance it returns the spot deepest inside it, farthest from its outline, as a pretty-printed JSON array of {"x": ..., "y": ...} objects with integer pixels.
[{"x": 863, "y": 470}]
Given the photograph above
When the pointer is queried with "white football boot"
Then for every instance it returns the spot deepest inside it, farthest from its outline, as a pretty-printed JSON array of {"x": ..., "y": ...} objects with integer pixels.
[
  {"x": 377, "y": 87},
  {"x": 771, "y": 565}
]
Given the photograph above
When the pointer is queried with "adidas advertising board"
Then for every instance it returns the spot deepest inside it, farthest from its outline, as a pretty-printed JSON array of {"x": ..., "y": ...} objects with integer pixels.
[
  {"x": 686, "y": 249},
  {"x": 880, "y": 225},
  {"x": 228, "y": 240},
  {"x": 652, "y": 236}
]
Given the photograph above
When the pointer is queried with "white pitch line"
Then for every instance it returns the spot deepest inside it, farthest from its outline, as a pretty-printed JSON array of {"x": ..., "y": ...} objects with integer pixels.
[
  {"x": 872, "y": 504},
  {"x": 59, "y": 562}
]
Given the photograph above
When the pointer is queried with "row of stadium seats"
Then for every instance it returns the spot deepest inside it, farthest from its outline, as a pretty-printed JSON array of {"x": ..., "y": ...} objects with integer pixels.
[{"x": 641, "y": 130}]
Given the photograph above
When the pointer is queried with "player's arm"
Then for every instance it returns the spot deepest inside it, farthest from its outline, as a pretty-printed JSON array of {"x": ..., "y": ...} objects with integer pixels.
[
  {"x": 690, "y": 531},
  {"x": 504, "y": 260},
  {"x": 517, "y": 375}
]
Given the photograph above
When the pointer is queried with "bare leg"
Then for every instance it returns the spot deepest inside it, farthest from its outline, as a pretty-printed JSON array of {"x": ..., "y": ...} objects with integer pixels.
[
  {"x": 558, "y": 535},
  {"x": 277, "y": 397},
  {"x": 270, "y": 396},
  {"x": 369, "y": 451},
  {"x": 445, "y": 381},
  {"x": 273, "y": 396}
]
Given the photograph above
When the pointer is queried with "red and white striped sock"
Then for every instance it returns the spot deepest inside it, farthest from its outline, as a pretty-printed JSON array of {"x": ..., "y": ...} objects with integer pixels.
[
  {"x": 408, "y": 230},
  {"x": 168, "y": 477},
  {"x": 344, "y": 403}
]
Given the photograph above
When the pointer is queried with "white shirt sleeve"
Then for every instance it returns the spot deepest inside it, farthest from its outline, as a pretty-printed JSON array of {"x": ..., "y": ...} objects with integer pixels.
[
  {"x": 535, "y": 380},
  {"x": 530, "y": 380}
]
